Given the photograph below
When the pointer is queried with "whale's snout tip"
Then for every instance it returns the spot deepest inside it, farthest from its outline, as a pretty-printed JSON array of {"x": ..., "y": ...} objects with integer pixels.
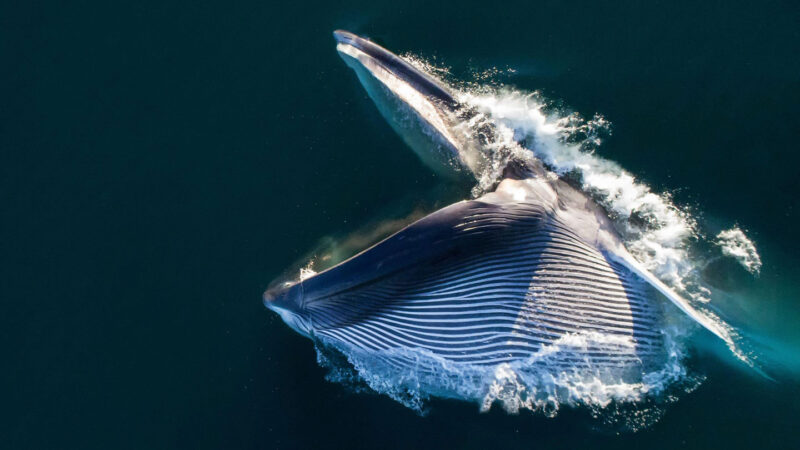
[
  {"x": 281, "y": 295},
  {"x": 274, "y": 293},
  {"x": 344, "y": 37}
]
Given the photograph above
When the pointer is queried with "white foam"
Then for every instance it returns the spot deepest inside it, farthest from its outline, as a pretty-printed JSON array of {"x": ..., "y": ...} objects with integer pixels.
[
  {"x": 307, "y": 271},
  {"x": 536, "y": 384},
  {"x": 655, "y": 230},
  {"x": 737, "y": 245}
]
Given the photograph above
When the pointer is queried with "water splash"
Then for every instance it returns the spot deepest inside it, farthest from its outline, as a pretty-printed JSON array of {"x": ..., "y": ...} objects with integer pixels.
[
  {"x": 535, "y": 384},
  {"x": 655, "y": 230},
  {"x": 307, "y": 271},
  {"x": 736, "y": 244}
]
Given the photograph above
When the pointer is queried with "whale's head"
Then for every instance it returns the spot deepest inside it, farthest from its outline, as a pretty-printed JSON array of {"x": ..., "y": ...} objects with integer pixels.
[{"x": 420, "y": 108}]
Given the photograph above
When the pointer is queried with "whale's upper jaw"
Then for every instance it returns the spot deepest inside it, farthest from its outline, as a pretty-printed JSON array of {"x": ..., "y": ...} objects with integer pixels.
[
  {"x": 346, "y": 37},
  {"x": 399, "y": 67},
  {"x": 419, "y": 108}
]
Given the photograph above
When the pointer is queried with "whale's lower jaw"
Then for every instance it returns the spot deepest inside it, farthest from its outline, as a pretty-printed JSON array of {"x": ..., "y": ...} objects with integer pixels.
[
  {"x": 489, "y": 281},
  {"x": 296, "y": 321}
]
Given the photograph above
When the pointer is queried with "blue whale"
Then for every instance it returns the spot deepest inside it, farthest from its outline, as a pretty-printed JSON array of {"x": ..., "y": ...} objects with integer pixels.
[{"x": 533, "y": 267}]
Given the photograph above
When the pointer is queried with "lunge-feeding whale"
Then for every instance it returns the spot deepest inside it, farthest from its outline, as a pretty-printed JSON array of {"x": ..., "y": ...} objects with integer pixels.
[{"x": 508, "y": 276}]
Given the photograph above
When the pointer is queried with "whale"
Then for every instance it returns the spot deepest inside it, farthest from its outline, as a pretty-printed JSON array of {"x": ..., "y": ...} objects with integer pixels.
[{"x": 532, "y": 268}]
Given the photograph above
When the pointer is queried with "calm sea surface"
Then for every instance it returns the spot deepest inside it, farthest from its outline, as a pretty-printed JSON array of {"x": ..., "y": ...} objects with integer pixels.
[{"x": 161, "y": 163}]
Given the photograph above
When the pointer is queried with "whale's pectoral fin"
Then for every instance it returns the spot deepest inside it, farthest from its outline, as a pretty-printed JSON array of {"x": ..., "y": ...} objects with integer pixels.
[
  {"x": 487, "y": 281},
  {"x": 634, "y": 266},
  {"x": 705, "y": 321}
]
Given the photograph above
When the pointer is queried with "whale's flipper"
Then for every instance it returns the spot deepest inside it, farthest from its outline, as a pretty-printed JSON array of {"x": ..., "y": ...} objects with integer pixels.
[
  {"x": 682, "y": 304},
  {"x": 484, "y": 282}
]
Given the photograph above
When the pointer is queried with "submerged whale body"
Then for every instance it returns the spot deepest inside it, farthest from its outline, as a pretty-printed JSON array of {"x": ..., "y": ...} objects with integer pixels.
[{"x": 529, "y": 275}]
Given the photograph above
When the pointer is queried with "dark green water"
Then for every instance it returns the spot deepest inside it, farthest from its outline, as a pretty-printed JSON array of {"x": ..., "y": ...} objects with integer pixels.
[{"x": 160, "y": 164}]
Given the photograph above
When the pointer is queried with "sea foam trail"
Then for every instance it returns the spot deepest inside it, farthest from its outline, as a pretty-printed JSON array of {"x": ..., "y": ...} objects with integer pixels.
[
  {"x": 736, "y": 244},
  {"x": 656, "y": 231}
]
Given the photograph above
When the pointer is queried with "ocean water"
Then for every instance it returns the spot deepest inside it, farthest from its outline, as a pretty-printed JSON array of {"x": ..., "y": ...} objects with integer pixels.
[{"x": 161, "y": 164}]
